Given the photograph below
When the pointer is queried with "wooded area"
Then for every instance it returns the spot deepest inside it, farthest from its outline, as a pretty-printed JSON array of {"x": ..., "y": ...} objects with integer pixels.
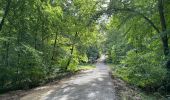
[
  {"x": 42, "y": 39},
  {"x": 138, "y": 42}
]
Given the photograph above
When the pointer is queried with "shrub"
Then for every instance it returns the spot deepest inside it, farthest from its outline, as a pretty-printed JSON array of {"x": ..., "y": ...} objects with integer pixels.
[{"x": 143, "y": 69}]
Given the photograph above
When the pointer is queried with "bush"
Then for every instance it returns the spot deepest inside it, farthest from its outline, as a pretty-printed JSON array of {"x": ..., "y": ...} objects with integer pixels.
[
  {"x": 143, "y": 69},
  {"x": 73, "y": 65}
]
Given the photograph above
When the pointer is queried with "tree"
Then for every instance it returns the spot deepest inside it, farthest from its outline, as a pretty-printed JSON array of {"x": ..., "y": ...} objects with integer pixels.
[
  {"x": 130, "y": 7},
  {"x": 42, "y": 38}
]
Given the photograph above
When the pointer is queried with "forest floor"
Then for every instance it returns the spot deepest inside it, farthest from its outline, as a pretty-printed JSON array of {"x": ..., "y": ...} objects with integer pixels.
[{"x": 95, "y": 84}]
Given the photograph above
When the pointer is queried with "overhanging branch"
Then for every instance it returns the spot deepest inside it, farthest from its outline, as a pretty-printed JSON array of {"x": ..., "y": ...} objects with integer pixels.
[{"x": 112, "y": 10}]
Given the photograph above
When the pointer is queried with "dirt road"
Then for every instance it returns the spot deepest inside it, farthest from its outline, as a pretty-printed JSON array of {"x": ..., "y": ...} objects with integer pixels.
[{"x": 89, "y": 85}]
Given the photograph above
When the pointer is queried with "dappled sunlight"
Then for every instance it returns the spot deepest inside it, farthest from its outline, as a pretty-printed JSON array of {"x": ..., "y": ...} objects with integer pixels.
[
  {"x": 68, "y": 89},
  {"x": 100, "y": 79},
  {"x": 93, "y": 85},
  {"x": 47, "y": 93}
]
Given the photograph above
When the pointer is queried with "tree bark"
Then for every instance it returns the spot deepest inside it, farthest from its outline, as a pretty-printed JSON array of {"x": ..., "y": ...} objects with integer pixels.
[
  {"x": 69, "y": 60},
  {"x": 164, "y": 36},
  {"x": 72, "y": 50},
  {"x": 35, "y": 41},
  {"x": 7, "y": 54}
]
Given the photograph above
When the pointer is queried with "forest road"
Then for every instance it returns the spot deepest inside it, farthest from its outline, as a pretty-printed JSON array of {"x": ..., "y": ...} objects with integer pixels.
[{"x": 89, "y": 85}]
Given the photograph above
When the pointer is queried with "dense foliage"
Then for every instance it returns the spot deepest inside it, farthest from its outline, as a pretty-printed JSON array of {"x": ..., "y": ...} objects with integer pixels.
[
  {"x": 137, "y": 41},
  {"x": 39, "y": 39}
]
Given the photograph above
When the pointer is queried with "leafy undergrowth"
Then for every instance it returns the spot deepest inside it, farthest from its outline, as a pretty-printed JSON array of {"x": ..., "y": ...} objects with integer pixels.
[
  {"x": 17, "y": 94},
  {"x": 53, "y": 78},
  {"x": 125, "y": 91}
]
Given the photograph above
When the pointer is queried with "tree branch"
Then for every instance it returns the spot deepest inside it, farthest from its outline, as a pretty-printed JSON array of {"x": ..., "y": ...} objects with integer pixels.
[{"x": 111, "y": 10}]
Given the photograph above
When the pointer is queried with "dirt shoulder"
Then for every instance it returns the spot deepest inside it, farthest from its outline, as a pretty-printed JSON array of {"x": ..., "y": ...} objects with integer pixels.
[{"x": 18, "y": 94}]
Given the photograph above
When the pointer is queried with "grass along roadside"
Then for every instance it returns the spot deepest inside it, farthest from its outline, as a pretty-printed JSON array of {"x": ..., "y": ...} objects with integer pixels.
[{"x": 86, "y": 67}]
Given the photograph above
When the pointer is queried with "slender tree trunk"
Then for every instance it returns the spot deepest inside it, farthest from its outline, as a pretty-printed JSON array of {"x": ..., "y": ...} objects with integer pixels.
[
  {"x": 7, "y": 54},
  {"x": 53, "y": 54},
  {"x": 70, "y": 58},
  {"x": 54, "y": 47},
  {"x": 35, "y": 41},
  {"x": 42, "y": 36},
  {"x": 164, "y": 36},
  {"x": 18, "y": 58},
  {"x": 71, "y": 51},
  {"x": 5, "y": 13}
]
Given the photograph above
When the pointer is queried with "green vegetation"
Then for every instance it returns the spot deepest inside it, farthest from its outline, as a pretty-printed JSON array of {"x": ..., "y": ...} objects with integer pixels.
[
  {"x": 41, "y": 39},
  {"x": 137, "y": 43}
]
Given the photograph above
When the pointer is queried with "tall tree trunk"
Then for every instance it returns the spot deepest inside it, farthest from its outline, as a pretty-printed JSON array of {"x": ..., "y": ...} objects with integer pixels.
[
  {"x": 7, "y": 54},
  {"x": 164, "y": 36},
  {"x": 5, "y": 13},
  {"x": 71, "y": 54},
  {"x": 42, "y": 36},
  {"x": 8, "y": 48},
  {"x": 35, "y": 41},
  {"x": 71, "y": 51},
  {"x": 18, "y": 58},
  {"x": 54, "y": 47}
]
